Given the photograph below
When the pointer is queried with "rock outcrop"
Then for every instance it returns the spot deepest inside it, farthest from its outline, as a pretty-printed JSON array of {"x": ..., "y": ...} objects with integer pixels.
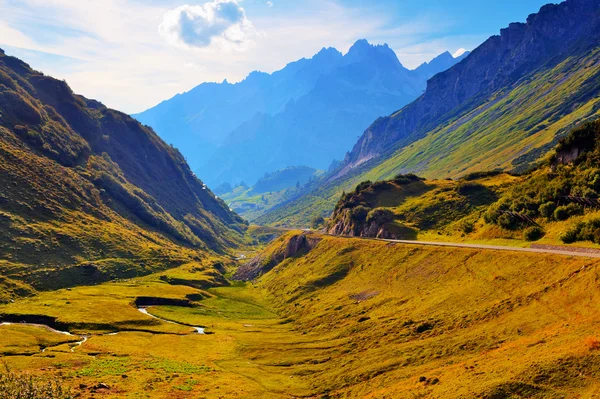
[{"x": 290, "y": 246}]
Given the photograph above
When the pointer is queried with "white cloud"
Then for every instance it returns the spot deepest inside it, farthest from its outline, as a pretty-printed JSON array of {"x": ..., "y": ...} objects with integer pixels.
[
  {"x": 459, "y": 52},
  {"x": 270, "y": 4},
  {"x": 112, "y": 51},
  {"x": 220, "y": 23}
]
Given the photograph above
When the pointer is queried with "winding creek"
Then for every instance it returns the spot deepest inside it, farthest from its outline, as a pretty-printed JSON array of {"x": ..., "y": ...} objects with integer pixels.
[
  {"x": 144, "y": 310},
  {"x": 83, "y": 338}
]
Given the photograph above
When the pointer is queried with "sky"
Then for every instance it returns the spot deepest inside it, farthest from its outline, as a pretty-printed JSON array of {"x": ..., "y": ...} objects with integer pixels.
[{"x": 133, "y": 54}]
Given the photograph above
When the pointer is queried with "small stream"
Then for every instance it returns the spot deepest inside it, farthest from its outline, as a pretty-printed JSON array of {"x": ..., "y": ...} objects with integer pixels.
[
  {"x": 144, "y": 310},
  {"x": 73, "y": 345},
  {"x": 76, "y": 344}
]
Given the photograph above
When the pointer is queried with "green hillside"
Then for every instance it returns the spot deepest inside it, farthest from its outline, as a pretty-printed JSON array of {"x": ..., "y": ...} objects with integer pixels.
[{"x": 87, "y": 194}]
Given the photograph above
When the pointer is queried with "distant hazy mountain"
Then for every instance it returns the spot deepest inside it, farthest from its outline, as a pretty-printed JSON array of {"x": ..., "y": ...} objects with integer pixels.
[
  {"x": 198, "y": 121},
  {"x": 285, "y": 178},
  {"x": 309, "y": 113}
]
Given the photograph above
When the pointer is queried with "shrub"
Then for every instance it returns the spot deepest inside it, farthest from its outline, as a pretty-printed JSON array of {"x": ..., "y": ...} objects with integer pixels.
[
  {"x": 466, "y": 188},
  {"x": 359, "y": 213},
  {"x": 317, "y": 221},
  {"x": 406, "y": 179},
  {"x": 506, "y": 221},
  {"x": 491, "y": 216},
  {"x": 533, "y": 233},
  {"x": 362, "y": 186},
  {"x": 467, "y": 227},
  {"x": 547, "y": 209},
  {"x": 481, "y": 175},
  {"x": 561, "y": 213},
  {"x": 574, "y": 209},
  {"x": 570, "y": 236},
  {"x": 27, "y": 387},
  {"x": 380, "y": 216},
  {"x": 585, "y": 231}
]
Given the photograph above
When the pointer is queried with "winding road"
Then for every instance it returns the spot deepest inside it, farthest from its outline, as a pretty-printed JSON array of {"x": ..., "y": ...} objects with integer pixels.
[
  {"x": 540, "y": 249},
  {"x": 567, "y": 251}
]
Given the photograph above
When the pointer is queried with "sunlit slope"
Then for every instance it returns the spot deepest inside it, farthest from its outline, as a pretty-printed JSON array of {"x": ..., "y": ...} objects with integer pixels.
[
  {"x": 87, "y": 194},
  {"x": 510, "y": 130},
  {"x": 472, "y": 323}
]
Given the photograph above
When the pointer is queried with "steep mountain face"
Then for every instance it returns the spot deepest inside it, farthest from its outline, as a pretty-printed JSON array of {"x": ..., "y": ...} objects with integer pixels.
[
  {"x": 90, "y": 191},
  {"x": 267, "y": 123},
  {"x": 548, "y": 38},
  {"x": 503, "y": 107},
  {"x": 201, "y": 119}
]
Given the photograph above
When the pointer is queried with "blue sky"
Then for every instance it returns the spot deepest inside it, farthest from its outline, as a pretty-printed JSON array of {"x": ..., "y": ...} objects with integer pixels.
[{"x": 132, "y": 54}]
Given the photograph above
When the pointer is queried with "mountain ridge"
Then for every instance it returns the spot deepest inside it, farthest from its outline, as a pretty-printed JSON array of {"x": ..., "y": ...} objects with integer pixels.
[
  {"x": 369, "y": 82},
  {"x": 267, "y": 108},
  {"x": 461, "y": 126},
  {"x": 516, "y": 39}
]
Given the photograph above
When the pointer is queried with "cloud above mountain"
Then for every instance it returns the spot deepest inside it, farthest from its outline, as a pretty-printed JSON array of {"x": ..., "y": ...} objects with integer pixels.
[{"x": 220, "y": 23}]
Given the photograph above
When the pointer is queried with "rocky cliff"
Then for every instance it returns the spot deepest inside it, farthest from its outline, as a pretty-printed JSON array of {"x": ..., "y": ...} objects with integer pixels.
[{"x": 291, "y": 245}]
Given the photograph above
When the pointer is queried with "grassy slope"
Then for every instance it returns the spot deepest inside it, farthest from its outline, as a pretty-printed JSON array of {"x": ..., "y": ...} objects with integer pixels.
[
  {"x": 511, "y": 128},
  {"x": 352, "y": 318},
  {"x": 251, "y": 205},
  {"x": 479, "y": 321}
]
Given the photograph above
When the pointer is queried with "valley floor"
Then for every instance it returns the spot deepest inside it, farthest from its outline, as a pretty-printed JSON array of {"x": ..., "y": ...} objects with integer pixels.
[{"x": 349, "y": 318}]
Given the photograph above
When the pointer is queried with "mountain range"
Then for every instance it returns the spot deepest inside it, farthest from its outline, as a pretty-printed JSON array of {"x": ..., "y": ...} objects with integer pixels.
[
  {"x": 504, "y": 107},
  {"x": 307, "y": 114}
]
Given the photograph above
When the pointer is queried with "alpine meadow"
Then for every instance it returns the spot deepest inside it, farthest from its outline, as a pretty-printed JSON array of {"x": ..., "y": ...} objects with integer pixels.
[{"x": 338, "y": 199}]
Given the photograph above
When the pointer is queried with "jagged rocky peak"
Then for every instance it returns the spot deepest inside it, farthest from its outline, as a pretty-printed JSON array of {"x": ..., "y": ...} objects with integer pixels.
[
  {"x": 328, "y": 52},
  {"x": 362, "y": 51}
]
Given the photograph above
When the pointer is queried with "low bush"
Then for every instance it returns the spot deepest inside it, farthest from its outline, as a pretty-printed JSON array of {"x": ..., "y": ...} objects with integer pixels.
[
  {"x": 533, "y": 233},
  {"x": 467, "y": 226},
  {"x": 466, "y": 188},
  {"x": 317, "y": 222},
  {"x": 547, "y": 209},
  {"x": 380, "y": 216},
  {"x": 507, "y": 221},
  {"x": 481, "y": 175},
  {"x": 407, "y": 179},
  {"x": 584, "y": 231},
  {"x": 561, "y": 213},
  {"x": 359, "y": 213},
  {"x": 363, "y": 186},
  {"x": 574, "y": 209}
]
